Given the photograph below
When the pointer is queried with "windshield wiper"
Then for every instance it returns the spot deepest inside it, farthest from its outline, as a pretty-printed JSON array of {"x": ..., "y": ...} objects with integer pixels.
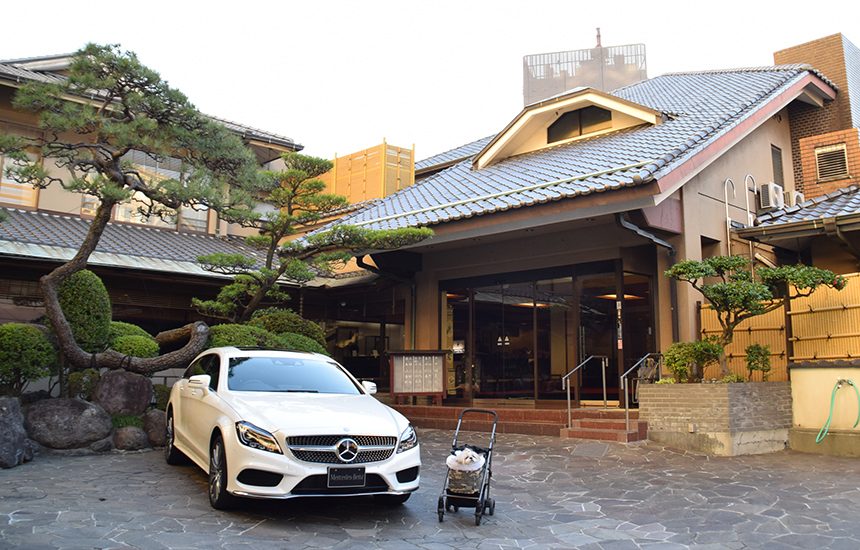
[{"x": 299, "y": 391}]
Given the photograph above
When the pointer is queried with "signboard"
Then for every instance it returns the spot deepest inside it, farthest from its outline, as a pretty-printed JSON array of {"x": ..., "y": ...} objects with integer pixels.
[{"x": 418, "y": 372}]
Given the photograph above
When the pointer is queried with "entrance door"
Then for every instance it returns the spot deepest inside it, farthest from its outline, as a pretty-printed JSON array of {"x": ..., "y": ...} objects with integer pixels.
[{"x": 598, "y": 335}]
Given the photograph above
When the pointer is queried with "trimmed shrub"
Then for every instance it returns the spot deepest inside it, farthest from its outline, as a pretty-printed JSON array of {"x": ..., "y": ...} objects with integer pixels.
[
  {"x": 83, "y": 383},
  {"x": 136, "y": 346},
  {"x": 758, "y": 359},
  {"x": 86, "y": 305},
  {"x": 26, "y": 354},
  {"x": 119, "y": 328},
  {"x": 243, "y": 336},
  {"x": 687, "y": 360},
  {"x": 284, "y": 321},
  {"x": 732, "y": 379},
  {"x": 162, "y": 396},
  {"x": 300, "y": 342}
]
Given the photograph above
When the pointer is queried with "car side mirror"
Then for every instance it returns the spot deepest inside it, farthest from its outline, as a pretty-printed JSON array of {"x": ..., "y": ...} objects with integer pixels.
[
  {"x": 200, "y": 380},
  {"x": 369, "y": 387}
]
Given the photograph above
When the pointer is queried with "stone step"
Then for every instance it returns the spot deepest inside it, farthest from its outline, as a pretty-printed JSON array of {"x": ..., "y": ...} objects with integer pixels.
[{"x": 621, "y": 436}]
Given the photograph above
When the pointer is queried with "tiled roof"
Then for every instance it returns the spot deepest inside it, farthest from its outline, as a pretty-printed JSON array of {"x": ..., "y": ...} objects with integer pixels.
[
  {"x": 15, "y": 70},
  {"x": 700, "y": 108},
  {"x": 458, "y": 153},
  {"x": 842, "y": 202},
  {"x": 57, "y": 237}
]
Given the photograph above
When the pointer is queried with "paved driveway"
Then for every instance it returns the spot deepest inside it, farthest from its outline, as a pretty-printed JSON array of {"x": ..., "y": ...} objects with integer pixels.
[{"x": 551, "y": 493}]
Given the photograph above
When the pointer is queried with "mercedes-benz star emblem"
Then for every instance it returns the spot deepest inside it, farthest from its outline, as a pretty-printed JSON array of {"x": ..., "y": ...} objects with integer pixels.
[{"x": 346, "y": 449}]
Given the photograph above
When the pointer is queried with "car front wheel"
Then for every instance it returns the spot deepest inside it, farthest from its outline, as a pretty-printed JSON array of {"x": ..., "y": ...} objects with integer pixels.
[{"x": 219, "y": 498}]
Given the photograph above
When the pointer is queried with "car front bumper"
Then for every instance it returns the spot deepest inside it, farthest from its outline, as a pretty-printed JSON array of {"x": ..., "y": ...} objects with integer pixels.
[{"x": 309, "y": 479}]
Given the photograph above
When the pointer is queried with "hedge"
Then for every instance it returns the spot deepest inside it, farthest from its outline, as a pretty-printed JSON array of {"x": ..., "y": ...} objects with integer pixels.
[
  {"x": 26, "y": 354},
  {"x": 86, "y": 305}
]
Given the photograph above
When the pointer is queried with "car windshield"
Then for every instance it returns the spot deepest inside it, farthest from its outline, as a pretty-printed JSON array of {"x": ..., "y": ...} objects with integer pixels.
[{"x": 288, "y": 374}]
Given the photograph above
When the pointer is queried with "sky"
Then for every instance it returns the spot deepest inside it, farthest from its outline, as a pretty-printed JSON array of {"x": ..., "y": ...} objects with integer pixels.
[{"x": 340, "y": 76}]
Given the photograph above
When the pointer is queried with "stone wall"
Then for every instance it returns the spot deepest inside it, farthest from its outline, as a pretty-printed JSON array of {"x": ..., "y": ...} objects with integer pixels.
[{"x": 719, "y": 419}]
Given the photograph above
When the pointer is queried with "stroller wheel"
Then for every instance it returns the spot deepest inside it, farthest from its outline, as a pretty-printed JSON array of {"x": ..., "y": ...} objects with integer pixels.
[
  {"x": 478, "y": 515},
  {"x": 492, "y": 506},
  {"x": 440, "y": 508}
]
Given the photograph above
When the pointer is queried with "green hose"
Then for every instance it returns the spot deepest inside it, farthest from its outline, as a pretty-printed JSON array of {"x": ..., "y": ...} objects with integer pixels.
[{"x": 826, "y": 428}]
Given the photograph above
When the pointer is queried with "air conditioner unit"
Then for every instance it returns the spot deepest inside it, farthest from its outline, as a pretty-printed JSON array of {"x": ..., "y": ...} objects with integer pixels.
[
  {"x": 793, "y": 198},
  {"x": 771, "y": 196}
]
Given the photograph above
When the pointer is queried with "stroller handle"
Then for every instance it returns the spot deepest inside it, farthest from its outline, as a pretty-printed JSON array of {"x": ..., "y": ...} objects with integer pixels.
[{"x": 480, "y": 411}]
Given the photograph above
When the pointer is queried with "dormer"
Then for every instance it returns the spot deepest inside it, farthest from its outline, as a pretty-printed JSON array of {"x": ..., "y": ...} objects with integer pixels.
[{"x": 576, "y": 114}]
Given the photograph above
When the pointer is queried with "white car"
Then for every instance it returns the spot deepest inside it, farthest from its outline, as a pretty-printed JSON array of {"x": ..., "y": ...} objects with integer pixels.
[{"x": 283, "y": 424}]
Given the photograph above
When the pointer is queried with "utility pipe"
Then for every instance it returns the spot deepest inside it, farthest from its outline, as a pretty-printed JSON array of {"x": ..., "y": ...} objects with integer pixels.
[
  {"x": 728, "y": 219},
  {"x": 747, "y": 179}
]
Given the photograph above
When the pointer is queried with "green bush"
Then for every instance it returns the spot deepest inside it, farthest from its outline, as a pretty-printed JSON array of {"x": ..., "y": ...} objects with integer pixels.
[
  {"x": 732, "y": 379},
  {"x": 123, "y": 421},
  {"x": 687, "y": 360},
  {"x": 243, "y": 336},
  {"x": 86, "y": 305},
  {"x": 136, "y": 346},
  {"x": 26, "y": 354},
  {"x": 758, "y": 359},
  {"x": 83, "y": 383},
  {"x": 162, "y": 396},
  {"x": 284, "y": 321},
  {"x": 300, "y": 342},
  {"x": 665, "y": 381},
  {"x": 119, "y": 328}
]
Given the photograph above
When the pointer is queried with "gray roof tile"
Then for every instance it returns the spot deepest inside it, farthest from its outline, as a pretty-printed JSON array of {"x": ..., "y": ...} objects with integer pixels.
[
  {"x": 702, "y": 106},
  {"x": 842, "y": 202}
]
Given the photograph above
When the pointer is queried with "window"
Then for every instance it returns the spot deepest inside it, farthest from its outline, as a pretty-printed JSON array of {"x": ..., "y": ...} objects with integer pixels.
[
  {"x": 89, "y": 205},
  {"x": 208, "y": 364},
  {"x": 194, "y": 219},
  {"x": 577, "y": 123},
  {"x": 133, "y": 211},
  {"x": 12, "y": 192},
  {"x": 831, "y": 162},
  {"x": 776, "y": 160}
]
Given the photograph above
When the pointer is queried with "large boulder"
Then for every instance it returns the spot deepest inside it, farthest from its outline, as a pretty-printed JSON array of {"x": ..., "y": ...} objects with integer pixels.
[
  {"x": 155, "y": 426},
  {"x": 66, "y": 423},
  {"x": 123, "y": 393},
  {"x": 15, "y": 448},
  {"x": 130, "y": 438}
]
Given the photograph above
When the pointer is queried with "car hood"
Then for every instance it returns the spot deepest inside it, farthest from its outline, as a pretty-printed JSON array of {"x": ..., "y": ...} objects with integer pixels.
[{"x": 318, "y": 414}]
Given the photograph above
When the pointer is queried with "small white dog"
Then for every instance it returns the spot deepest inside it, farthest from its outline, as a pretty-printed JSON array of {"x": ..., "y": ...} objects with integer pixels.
[{"x": 465, "y": 460}]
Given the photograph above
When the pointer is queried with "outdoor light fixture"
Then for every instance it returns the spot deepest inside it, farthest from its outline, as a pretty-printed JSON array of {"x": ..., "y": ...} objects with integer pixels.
[
  {"x": 615, "y": 297},
  {"x": 505, "y": 342}
]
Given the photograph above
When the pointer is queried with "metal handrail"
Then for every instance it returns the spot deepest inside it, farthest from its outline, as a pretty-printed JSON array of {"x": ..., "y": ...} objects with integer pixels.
[
  {"x": 566, "y": 381},
  {"x": 623, "y": 384}
]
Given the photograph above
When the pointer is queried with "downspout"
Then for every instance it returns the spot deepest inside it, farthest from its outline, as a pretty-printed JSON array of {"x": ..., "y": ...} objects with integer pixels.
[
  {"x": 622, "y": 220},
  {"x": 413, "y": 295},
  {"x": 831, "y": 228}
]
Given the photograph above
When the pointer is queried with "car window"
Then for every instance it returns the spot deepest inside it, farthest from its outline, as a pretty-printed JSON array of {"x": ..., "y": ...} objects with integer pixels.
[
  {"x": 194, "y": 368},
  {"x": 288, "y": 374},
  {"x": 211, "y": 366}
]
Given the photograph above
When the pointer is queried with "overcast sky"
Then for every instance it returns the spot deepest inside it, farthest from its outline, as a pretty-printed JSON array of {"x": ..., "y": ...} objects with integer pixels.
[{"x": 339, "y": 76}]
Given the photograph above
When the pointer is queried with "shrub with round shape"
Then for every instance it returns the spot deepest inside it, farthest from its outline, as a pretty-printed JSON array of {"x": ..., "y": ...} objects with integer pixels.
[
  {"x": 299, "y": 342},
  {"x": 120, "y": 328},
  {"x": 136, "y": 346},
  {"x": 86, "y": 305},
  {"x": 283, "y": 321},
  {"x": 243, "y": 336},
  {"x": 26, "y": 354}
]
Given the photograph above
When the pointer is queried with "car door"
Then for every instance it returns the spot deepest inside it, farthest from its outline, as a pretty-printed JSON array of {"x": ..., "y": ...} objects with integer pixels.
[
  {"x": 182, "y": 390},
  {"x": 202, "y": 406}
]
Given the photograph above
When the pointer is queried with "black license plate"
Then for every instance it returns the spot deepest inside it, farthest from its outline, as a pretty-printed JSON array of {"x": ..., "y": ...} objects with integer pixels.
[{"x": 346, "y": 477}]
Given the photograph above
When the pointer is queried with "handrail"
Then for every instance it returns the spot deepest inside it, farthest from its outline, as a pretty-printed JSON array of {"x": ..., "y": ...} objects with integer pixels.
[
  {"x": 565, "y": 380},
  {"x": 623, "y": 385}
]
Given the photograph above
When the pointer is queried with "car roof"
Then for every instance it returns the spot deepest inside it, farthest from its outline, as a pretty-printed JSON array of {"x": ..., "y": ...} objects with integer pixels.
[{"x": 234, "y": 351}]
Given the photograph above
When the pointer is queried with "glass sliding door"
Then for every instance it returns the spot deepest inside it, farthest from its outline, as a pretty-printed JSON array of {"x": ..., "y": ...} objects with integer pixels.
[{"x": 555, "y": 321}]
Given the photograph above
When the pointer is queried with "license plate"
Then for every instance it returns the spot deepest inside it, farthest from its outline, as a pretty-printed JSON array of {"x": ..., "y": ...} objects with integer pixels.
[{"x": 346, "y": 477}]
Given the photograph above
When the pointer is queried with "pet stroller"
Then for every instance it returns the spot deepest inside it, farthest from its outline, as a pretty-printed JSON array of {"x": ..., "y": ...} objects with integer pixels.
[{"x": 470, "y": 489}]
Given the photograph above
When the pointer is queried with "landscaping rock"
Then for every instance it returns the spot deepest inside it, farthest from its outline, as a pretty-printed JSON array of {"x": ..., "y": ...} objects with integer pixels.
[
  {"x": 130, "y": 438},
  {"x": 66, "y": 423},
  {"x": 102, "y": 445},
  {"x": 15, "y": 448},
  {"x": 123, "y": 393},
  {"x": 155, "y": 426}
]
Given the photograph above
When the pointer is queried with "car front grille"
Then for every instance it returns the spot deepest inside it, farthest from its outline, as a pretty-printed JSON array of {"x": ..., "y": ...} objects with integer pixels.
[{"x": 321, "y": 448}]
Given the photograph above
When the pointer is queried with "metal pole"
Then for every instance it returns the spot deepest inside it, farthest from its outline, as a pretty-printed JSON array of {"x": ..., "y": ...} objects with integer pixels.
[
  {"x": 569, "y": 421},
  {"x": 626, "y": 405},
  {"x": 728, "y": 218},
  {"x": 603, "y": 364}
]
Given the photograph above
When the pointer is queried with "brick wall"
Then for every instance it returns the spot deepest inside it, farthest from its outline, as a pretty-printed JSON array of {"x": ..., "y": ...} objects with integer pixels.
[
  {"x": 812, "y": 187},
  {"x": 722, "y": 419},
  {"x": 827, "y": 55}
]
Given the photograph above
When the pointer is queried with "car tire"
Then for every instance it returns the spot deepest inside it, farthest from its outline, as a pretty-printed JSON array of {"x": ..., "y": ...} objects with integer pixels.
[
  {"x": 219, "y": 498},
  {"x": 392, "y": 500},
  {"x": 172, "y": 455}
]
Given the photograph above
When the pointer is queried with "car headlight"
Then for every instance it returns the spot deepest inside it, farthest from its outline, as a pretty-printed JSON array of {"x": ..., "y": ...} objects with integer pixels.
[
  {"x": 408, "y": 439},
  {"x": 257, "y": 438}
]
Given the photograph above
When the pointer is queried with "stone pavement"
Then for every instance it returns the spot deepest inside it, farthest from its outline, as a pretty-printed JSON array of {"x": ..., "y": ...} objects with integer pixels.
[{"x": 550, "y": 493}]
